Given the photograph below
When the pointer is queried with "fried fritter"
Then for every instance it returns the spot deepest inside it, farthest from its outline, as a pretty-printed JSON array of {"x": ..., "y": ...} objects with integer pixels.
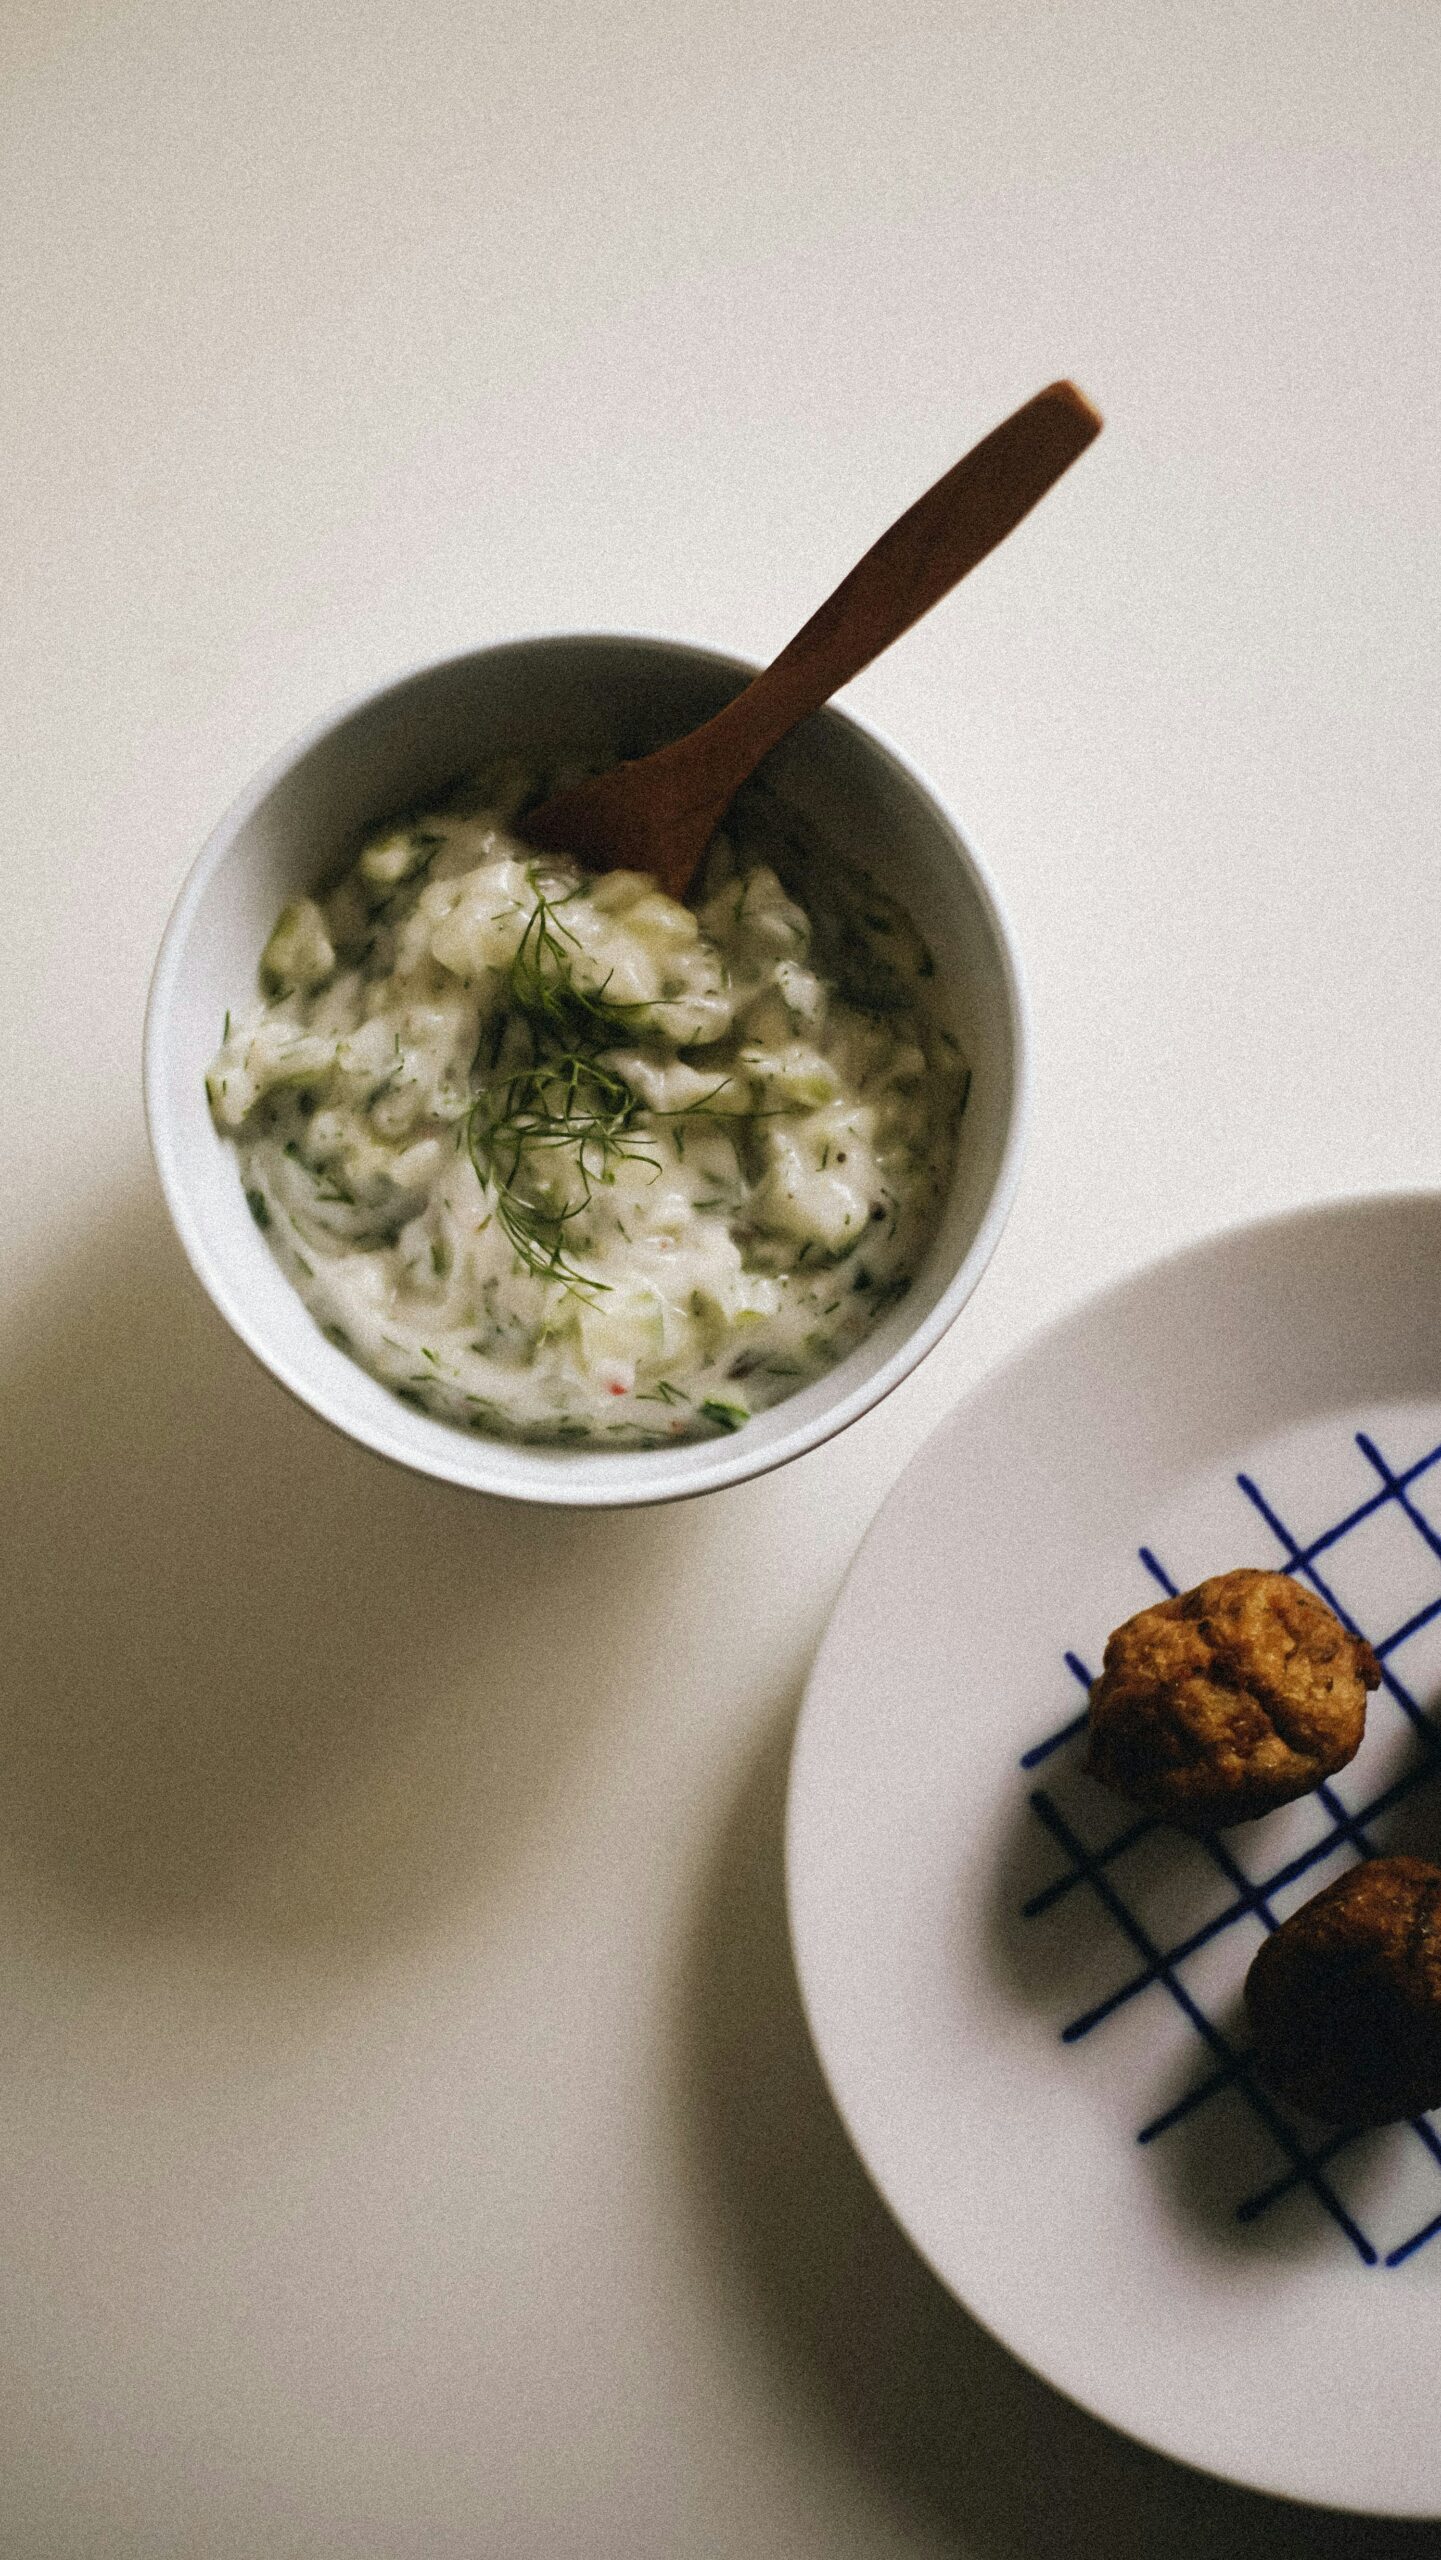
[
  {"x": 1216, "y": 1706},
  {"x": 1345, "y": 1999}
]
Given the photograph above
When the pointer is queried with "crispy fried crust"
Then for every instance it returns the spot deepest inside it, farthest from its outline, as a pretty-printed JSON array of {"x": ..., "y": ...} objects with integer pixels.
[
  {"x": 1215, "y": 1707},
  {"x": 1345, "y": 1999}
]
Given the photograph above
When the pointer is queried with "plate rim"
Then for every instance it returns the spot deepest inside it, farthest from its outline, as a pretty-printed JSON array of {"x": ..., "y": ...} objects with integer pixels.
[{"x": 1341, "y": 1207}]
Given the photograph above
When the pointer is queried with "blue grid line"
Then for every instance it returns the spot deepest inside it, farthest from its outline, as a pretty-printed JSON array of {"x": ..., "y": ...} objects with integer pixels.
[
  {"x": 1399, "y": 1487},
  {"x": 1089, "y": 1867},
  {"x": 1194, "y": 2098},
  {"x": 1423, "y": 1618},
  {"x": 1251, "y": 2209},
  {"x": 1042, "y": 1750},
  {"x": 1346, "y": 1825},
  {"x": 1210, "y": 2035},
  {"x": 1255, "y": 1899},
  {"x": 1294, "y": 1868},
  {"x": 1116, "y": 1848},
  {"x": 1297, "y": 1562},
  {"x": 1351, "y": 1826},
  {"x": 1053, "y": 1742},
  {"x": 1408, "y": 2248},
  {"x": 1344, "y": 2141},
  {"x": 1374, "y": 1502},
  {"x": 1251, "y": 1897}
]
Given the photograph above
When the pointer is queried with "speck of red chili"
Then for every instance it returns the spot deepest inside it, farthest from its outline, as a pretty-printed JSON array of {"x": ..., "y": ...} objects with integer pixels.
[{"x": 617, "y": 1391}]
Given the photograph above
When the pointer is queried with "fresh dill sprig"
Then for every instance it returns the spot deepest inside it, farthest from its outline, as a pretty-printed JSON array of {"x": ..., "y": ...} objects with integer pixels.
[
  {"x": 562, "y": 1102},
  {"x": 566, "y": 1103},
  {"x": 542, "y": 983}
]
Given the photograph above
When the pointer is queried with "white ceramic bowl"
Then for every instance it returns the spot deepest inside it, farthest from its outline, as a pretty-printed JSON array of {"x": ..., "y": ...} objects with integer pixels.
[{"x": 297, "y": 826}]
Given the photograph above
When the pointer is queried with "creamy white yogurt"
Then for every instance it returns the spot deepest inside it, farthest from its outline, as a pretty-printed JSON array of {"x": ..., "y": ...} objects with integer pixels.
[{"x": 559, "y": 1158}]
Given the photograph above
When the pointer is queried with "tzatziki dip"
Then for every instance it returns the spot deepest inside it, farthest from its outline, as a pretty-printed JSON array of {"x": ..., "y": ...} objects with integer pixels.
[{"x": 558, "y": 1158}]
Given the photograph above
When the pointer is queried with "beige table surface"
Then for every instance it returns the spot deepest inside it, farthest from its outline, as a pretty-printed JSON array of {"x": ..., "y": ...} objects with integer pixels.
[{"x": 409, "y": 2143}]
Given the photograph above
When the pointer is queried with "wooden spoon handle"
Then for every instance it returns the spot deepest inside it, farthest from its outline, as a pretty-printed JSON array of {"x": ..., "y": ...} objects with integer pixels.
[
  {"x": 916, "y": 562},
  {"x": 659, "y": 813}
]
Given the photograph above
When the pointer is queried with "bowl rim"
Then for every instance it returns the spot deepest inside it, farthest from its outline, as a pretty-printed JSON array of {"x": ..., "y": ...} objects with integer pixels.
[{"x": 467, "y": 1469}]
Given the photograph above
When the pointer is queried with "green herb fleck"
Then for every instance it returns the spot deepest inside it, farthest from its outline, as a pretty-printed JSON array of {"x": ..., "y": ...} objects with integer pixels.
[
  {"x": 726, "y": 1417},
  {"x": 562, "y": 1100}
]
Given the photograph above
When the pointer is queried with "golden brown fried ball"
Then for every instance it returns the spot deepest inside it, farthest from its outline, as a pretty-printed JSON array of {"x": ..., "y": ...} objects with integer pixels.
[
  {"x": 1233, "y": 1698},
  {"x": 1345, "y": 1999}
]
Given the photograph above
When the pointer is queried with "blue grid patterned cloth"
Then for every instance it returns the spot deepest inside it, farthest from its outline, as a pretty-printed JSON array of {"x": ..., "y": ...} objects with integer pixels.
[{"x": 1402, "y": 1741}]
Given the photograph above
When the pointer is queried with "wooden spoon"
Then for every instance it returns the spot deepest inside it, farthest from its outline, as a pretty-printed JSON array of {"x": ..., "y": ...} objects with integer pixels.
[{"x": 659, "y": 813}]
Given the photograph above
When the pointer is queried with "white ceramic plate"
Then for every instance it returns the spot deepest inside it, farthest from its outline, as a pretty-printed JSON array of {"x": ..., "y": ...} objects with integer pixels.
[{"x": 1010, "y": 1978}]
